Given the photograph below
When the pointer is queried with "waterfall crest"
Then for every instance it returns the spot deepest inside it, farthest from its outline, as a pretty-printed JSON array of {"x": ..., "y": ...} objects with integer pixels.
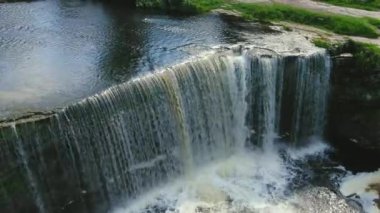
[{"x": 154, "y": 128}]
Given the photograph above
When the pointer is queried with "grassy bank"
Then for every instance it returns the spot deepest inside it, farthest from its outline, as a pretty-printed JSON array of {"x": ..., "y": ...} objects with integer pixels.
[
  {"x": 340, "y": 24},
  {"x": 182, "y": 6},
  {"x": 204, "y": 5},
  {"x": 345, "y": 25},
  {"x": 366, "y": 56},
  {"x": 371, "y": 5}
]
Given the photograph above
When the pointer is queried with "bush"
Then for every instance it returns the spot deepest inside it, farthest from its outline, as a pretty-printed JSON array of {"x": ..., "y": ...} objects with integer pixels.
[
  {"x": 168, "y": 5},
  {"x": 172, "y": 4}
]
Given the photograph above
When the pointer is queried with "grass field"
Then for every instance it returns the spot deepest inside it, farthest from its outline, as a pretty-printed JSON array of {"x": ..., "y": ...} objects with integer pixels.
[
  {"x": 340, "y": 24},
  {"x": 345, "y": 25},
  {"x": 372, "y": 5}
]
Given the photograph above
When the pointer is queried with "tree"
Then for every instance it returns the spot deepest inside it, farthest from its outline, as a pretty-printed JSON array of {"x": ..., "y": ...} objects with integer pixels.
[{"x": 172, "y": 4}]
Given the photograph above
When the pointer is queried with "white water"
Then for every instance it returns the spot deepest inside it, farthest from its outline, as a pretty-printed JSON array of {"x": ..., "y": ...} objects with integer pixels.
[
  {"x": 363, "y": 186},
  {"x": 206, "y": 128},
  {"x": 259, "y": 179},
  {"x": 249, "y": 181}
]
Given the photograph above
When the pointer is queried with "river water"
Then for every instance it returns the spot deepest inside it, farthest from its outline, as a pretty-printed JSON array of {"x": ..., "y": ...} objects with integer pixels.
[
  {"x": 53, "y": 53},
  {"x": 154, "y": 113}
]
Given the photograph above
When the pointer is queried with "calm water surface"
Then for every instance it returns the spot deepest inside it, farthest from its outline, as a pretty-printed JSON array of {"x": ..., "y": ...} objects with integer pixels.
[{"x": 53, "y": 53}]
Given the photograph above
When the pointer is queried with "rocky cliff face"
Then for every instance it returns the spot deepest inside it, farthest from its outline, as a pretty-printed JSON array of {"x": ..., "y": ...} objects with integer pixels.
[{"x": 354, "y": 115}]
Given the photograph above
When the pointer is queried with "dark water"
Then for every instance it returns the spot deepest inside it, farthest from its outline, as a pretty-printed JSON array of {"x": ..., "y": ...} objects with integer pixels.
[{"x": 53, "y": 53}]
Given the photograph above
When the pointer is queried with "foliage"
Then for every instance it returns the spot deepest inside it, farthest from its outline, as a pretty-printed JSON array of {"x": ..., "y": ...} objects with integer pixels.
[
  {"x": 322, "y": 43},
  {"x": 375, "y": 22},
  {"x": 204, "y": 5},
  {"x": 161, "y": 4},
  {"x": 172, "y": 4},
  {"x": 359, "y": 4},
  {"x": 366, "y": 57},
  {"x": 153, "y": 4},
  {"x": 340, "y": 24},
  {"x": 181, "y": 6}
]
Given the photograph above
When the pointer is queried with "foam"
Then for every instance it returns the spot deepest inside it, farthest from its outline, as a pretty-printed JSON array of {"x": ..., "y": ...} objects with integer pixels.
[
  {"x": 255, "y": 181},
  {"x": 360, "y": 185}
]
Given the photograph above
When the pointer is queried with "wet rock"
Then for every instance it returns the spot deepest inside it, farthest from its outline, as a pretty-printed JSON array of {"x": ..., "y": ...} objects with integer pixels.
[
  {"x": 354, "y": 111},
  {"x": 344, "y": 55},
  {"x": 321, "y": 199},
  {"x": 313, "y": 200},
  {"x": 375, "y": 187},
  {"x": 377, "y": 201},
  {"x": 355, "y": 204},
  {"x": 26, "y": 117},
  {"x": 229, "y": 15}
]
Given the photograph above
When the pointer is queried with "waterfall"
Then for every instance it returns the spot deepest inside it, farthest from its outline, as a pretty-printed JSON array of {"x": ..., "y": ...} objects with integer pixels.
[
  {"x": 154, "y": 128},
  {"x": 266, "y": 83},
  {"x": 28, "y": 172}
]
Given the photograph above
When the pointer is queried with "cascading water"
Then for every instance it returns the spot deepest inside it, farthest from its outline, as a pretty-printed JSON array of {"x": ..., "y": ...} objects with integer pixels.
[
  {"x": 154, "y": 129},
  {"x": 288, "y": 96},
  {"x": 28, "y": 173}
]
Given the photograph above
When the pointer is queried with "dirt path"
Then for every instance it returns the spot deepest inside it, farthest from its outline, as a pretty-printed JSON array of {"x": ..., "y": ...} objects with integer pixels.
[{"x": 319, "y": 6}]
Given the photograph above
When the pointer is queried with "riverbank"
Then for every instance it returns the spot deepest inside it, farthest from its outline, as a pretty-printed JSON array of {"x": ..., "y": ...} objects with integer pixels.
[
  {"x": 361, "y": 24},
  {"x": 365, "y": 5}
]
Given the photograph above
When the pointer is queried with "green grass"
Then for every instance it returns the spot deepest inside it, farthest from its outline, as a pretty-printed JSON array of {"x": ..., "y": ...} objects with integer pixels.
[
  {"x": 366, "y": 56},
  {"x": 372, "y": 5},
  {"x": 373, "y": 21},
  {"x": 323, "y": 43},
  {"x": 340, "y": 24},
  {"x": 204, "y": 5},
  {"x": 345, "y": 25},
  {"x": 182, "y": 6}
]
